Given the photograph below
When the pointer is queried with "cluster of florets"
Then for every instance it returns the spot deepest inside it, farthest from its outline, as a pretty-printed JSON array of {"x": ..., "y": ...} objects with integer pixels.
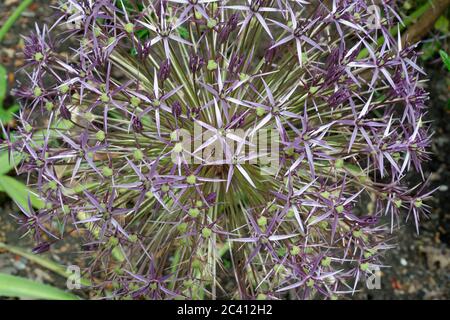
[{"x": 101, "y": 140}]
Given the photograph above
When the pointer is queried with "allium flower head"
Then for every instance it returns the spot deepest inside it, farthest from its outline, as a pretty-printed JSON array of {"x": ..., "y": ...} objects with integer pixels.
[{"x": 223, "y": 148}]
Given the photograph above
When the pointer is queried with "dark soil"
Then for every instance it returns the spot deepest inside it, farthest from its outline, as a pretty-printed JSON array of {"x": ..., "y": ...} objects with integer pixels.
[{"x": 419, "y": 265}]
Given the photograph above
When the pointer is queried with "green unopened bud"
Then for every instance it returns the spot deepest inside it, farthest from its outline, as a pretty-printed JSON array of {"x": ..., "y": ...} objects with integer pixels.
[
  {"x": 49, "y": 106},
  {"x": 107, "y": 171},
  {"x": 206, "y": 232},
  {"x": 313, "y": 90},
  {"x": 138, "y": 155},
  {"x": 165, "y": 188},
  {"x": 129, "y": 27},
  {"x": 199, "y": 203},
  {"x": 135, "y": 101},
  {"x": 196, "y": 264},
  {"x": 182, "y": 227},
  {"x": 272, "y": 207},
  {"x": 212, "y": 65},
  {"x": 357, "y": 233},
  {"x": 133, "y": 238},
  {"x": 52, "y": 185},
  {"x": 191, "y": 179},
  {"x": 194, "y": 212},
  {"x": 340, "y": 209},
  {"x": 326, "y": 262},
  {"x": 418, "y": 203},
  {"x": 325, "y": 194},
  {"x": 149, "y": 194},
  {"x": 262, "y": 221},
  {"x": 188, "y": 283},
  {"x": 279, "y": 268},
  {"x": 113, "y": 242},
  {"x": 104, "y": 97},
  {"x": 364, "y": 266},
  {"x": 153, "y": 286},
  {"x": 290, "y": 214},
  {"x": 37, "y": 91},
  {"x": 281, "y": 251},
  {"x": 38, "y": 56},
  {"x": 100, "y": 135},
  {"x": 212, "y": 23},
  {"x": 260, "y": 111},
  {"x": 398, "y": 203},
  {"x": 89, "y": 116},
  {"x": 295, "y": 250},
  {"x": 310, "y": 283},
  {"x": 198, "y": 15},
  {"x": 323, "y": 224},
  {"x": 339, "y": 163},
  {"x": 64, "y": 89},
  {"x": 309, "y": 250}
]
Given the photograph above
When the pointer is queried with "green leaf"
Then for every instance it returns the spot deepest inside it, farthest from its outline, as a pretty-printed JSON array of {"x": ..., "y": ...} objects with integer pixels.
[
  {"x": 143, "y": 33},
  {"x": 13, "y": 17},
  {"x": 6, "y": 165},
  {"x": 12, "y": 286},
  {"x": 45, "y": 263},
  {"x": 442, "y": 24},
  {"x": 445, "y": 58},
  {"x": 19, "y": 192},
  {"x": 3, "y": 85},
  {"x": 184, "y": 33},
  {"x": 8, "y": 114}
]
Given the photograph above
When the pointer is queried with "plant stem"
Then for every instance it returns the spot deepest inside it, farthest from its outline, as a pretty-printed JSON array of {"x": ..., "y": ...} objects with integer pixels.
[{"x": 12, "y": 18}]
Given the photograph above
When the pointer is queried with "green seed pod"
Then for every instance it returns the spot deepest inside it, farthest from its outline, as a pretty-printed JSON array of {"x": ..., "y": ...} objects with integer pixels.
[
  {"x": 182, "y": 227},
  {"x": 194, "y": 212},
  {"x": 206, "y": 232},
  {"x": 326, "y": 262},
  {"x": 138, "y": 155},
  {"x": 191, "y": 179},
  {"x": 262, "y": 221},
  {"x": 37, "y": 92},
  {"x": 135, "y": 101},
  {"x": 107, "y": 171},
  {"x": 295, "y": 250},
  {"x": 64, "y": 89},
  {"x": 129, "y": 27},
  {"x": 100, "y": 136},
  {"x": 38, "y": 56},
  {"x": 212, "y": 65}
]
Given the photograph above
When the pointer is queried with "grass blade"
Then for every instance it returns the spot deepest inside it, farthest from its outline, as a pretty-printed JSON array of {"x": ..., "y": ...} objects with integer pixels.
[
  {"x": 19, "y": 192},
  {"x": 45, "y": 263},
  {"x": 13, "y": 17},
  {"x": 13, "y": 286}
]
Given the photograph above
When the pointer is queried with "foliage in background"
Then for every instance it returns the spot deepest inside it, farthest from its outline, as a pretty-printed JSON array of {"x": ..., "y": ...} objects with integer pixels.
[
  {"x": 18, "y": 287},
  {"x": 13, "y": 286}
]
